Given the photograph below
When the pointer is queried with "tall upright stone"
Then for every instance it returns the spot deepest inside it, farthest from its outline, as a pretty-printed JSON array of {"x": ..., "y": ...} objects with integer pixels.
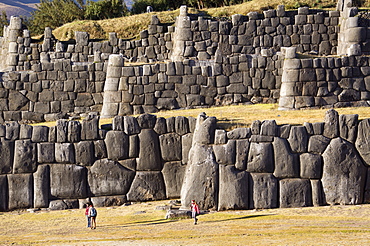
[
  {"x": 201, "y": 179},
  {"x": 344, "y": 174}
]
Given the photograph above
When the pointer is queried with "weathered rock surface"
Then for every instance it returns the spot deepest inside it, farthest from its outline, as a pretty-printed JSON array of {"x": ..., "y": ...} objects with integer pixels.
[
  {"x": 259, "y": 158},
  {"x": 6, "y": 156},
  {"x": 24, "y": 157},
  {"x": 170, "y": 147},
  {"x": 108, "y": 201},
  {"x": 147, "y": 186},
  {"x": 363, "y": 140},
  {"x": 20, "y": 191},
  {"x": 317, "y": 144},
  {"x": 295, "y": 193},
  {"x": 201, "y": 178},
  {"x": 344, "y": 174},
  {"x": 149, "y": 155},
  {"x": 225, "y": 154},
  {"x": 68, "y": 181},
  {"x": 263, "y": 190},
  {"x": 331, "y": 127},
  {"x": 107, "y": 177},
  {"x": 348, "y": 127},
  {"x": 242, "y": 150},
  {"x": 173, "y": 175},
  {"x": 41, "y": 182},
  {"x": 116, "y": 143},
  {"x": 286, "y": 163},
  {"x": 298, "y": 139},
  {"x": 233, "y": 193},
  {"x": 311, "y": 166}
]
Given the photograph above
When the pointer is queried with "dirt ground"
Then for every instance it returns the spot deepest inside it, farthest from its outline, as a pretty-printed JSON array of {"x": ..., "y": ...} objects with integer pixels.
[{"x": 145, "y": 224}]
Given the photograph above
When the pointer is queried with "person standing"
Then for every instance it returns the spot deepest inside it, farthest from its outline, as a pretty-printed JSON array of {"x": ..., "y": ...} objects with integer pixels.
[
  {"x": 194, "y": 211},
  {"x": 92, "y": 214},
  {"x": 87, "y": 215}
]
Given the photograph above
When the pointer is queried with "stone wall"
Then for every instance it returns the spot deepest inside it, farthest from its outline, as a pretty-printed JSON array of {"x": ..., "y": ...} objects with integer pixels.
[
  {"x": 213, "y": 63},
  {"x": 324, "y": 81},
  {"x": 149, "y": 158},
  {"x": 189, "y": 84}
]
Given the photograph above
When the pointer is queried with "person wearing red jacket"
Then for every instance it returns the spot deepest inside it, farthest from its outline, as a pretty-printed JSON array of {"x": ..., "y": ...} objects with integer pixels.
[
  {"x": 87, "y": 215},
  {"x": 194, "y": 211}
]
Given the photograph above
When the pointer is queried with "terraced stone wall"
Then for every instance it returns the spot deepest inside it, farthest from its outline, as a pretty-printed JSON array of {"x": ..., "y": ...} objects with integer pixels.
[{"x": 149, "y": 158}]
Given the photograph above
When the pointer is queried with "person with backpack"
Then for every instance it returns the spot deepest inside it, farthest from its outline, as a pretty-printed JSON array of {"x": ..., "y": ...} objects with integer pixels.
[
  {"x": 92, "y": 214},
  {"x": 194, "y": 211}
]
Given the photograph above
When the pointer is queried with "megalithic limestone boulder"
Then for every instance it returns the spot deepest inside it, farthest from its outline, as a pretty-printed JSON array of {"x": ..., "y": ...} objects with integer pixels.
[
  {"x": 20, "y": 191},
  {"x": 41, "y": 182},
  {"x": 147, "y": 186},
  {"x": 363, "y": 140},
  {"x": 344, "y": 173},
  {"x": 263, "y": 191},
  {"x": 295, "y": 193},
  {"x": 107, "y": 177},
  {"x": 233, "y": 191},
  {"x": 201, "y": 180}
]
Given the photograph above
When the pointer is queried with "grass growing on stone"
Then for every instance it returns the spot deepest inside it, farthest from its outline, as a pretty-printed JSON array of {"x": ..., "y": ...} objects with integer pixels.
[{"x": 142, "y": 224}]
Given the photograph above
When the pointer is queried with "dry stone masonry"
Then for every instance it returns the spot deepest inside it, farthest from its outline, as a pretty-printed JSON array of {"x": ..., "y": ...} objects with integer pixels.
[
  {"x": 196, "y": 63},
  {"x": 151, "y": 158}
]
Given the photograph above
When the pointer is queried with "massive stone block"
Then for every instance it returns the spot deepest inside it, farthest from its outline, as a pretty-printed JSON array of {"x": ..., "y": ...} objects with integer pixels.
[
  {"x": 117, "y": 145},
  {"x": 108, "y": 201},
  {"x": 201, "y": 178},
  {"x": 147, "y": 186},
  {"x": 108, "y": 177},
  {"x": 225, "y": 154},
  {"x": 12, "y": 130},
  {"x": 233, "y": 188},
  {"x": 331, "y": 127},
  {"x": 181, "y": 125},
  {"x": 131, "y": 125},
  {"x": 45, "y": 153},
  {"x": 186, "y": 143},
  {"x": 298, "y": 139},
  {"x": 74, "y": 131},
  {"x": 264, "y": 191},
  {"x": 317, "y": 144},
  {"x": 344, "y": 173},
  {"x": 242, "y": 150},
  {"x": 85, "y": 153},
  {"x": 64, "y": 153},
  {"x": 20, "y": 191},
  {"x": 348, "y": 127},
  {"x": 90, "y": 128},
  {"x": 149, "y": 156},
  {"x": 41, "y": 182},
  {"x": 24, "y": 157},
  {"x": 6, "y": 156},
  {"x": 295, "y": 193},
  {"x": 173, "y": 174},
  {"x": 259, "y": 158},
  {"x": 286, "y": 163},
  {"x": 3, "y": 193},
  {"x": 363, "y": 140},
  {"x": 68, "y": 181},
  {"x": 62, "y": 129},
  {"x": 311, "y": 166},
  {"x": 317, "y": 192},
  {"x": 170, "y": 147},
  {"x": 204, "y": 130}
]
